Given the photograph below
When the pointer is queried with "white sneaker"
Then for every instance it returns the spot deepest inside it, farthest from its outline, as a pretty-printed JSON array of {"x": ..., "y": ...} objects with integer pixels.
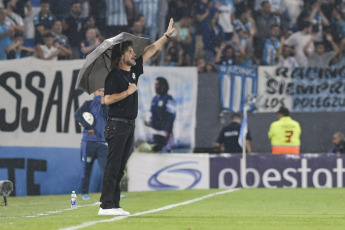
[
  {"x": 107, "y": 212},
  {"x": 121, "y": 212}
]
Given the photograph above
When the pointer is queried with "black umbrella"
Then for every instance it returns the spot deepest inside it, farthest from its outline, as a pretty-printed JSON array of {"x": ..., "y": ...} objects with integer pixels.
[{"x": 92, "y": 75}]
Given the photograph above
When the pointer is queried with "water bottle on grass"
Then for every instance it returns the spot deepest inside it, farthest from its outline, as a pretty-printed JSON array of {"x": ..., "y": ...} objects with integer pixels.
[{"x": 73, "y": 200}]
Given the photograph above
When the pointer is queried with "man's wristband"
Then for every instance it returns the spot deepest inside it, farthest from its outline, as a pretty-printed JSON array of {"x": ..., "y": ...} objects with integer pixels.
[{"x": 166, "y": 35}]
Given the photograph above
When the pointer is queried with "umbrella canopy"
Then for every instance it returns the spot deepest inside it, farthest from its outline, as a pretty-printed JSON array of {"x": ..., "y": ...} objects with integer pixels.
[{"x": 92, "y": 75}]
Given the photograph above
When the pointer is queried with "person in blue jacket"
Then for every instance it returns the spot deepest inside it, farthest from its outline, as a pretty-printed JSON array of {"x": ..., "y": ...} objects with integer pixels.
[
  {"x": 93, "y": 143},
  {"x": 163, "y": 113}
]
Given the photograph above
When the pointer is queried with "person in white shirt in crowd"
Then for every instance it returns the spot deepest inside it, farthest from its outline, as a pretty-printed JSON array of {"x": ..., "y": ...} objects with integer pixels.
[
  {"x": 47, "y": 51},
  {"x": 226, "y": 17},
  {"x": 13, "y": 19},
  {"x": 319, "y": 57},
  {"x": 286, "y": 58},
  {"x": 29, "y": 32},
  {"x": 298, "y": 41},
  {"x": 317, "y": 18},
  {"x": 61, "y": 40},
  {"x": 294, "y": 8}
]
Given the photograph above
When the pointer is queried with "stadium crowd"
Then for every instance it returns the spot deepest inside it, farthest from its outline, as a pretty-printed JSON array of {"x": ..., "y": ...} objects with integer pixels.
[{"x": 249, "y": 33}]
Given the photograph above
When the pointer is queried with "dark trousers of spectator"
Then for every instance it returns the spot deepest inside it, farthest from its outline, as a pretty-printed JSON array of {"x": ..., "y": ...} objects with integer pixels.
[
  {"x": 120, "y": 136},
  {"x": 90, "y": 151},
  {"x": 159, "y": 142},
  {"x": 112, "y": 31}
]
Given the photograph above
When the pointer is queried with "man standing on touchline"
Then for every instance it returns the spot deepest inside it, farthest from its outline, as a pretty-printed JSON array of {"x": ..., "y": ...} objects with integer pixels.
[{"x": 120, "y": 90}]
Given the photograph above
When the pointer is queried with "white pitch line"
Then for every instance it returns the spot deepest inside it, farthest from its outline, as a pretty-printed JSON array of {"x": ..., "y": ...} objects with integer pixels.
[
  {"x": 59, "y": 211},
  {"x": 90, "y": 223}
]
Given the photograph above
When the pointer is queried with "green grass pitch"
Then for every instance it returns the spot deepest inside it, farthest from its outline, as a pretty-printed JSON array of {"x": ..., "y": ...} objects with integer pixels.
[{"x": 242, "y": 209}]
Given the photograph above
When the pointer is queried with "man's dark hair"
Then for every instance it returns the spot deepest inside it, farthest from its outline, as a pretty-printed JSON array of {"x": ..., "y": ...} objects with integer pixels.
[
  {"x": 263, "y": 3},
  {"x": 18, "y": 34},
  {"x": 117, "y": 51},
  {"x": 4, "y": 2},
  {"x": 44, "y": 1},
  {"x": 48, "y": 35},
  {"x": 317, "y": 43},
  {"x": 235, "y": 116},
  {"x": 241, "y": 8},
  {"x": 164, "y": 84},
  {"x": 274, "y": 25},
  {"x": 284, "y": 111},
  {"x": 75, "y": 2},
  {"x": 305, "y": 24}
]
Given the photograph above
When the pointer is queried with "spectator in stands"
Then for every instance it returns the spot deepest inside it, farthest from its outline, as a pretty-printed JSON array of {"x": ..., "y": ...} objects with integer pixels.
[
  {"x": 211, "y": 35},
  {"x": 13, "y": 19},
  {"x": 88, "y": 23},
  {"x": 298, "y": 41},
  {"x": 246, "y": 30},
  {"x": 228, "y": 137},
  {"x": 183, "y": 34},
  {"x": 23, "y": 8},
  {"x": 91, "y": 42},
  {"x": 47, "y": 51},
  {"x": 72, "y": 28},
  {"x": 17, "y": 49},
  {"x": 29, "y": 25},
  {"x": 206, "y": 16},
  {"x": 272, "y": 44},
  {"x": 201, "y": 65},
  {"x": 6, "y": 32},
  {"x": 61, "y": 40},
  {"x": 175, "y": 55},
  {"x": 97, "y": 10},
  {"x": 286, "y": 58},
  {"x": 317, "y": 18},
  {"x": 339, "y": 20},
  {"x": 43, "y": 22},
  {"x": 225, "y": 55},
  {"x": 279, "y": 10},
  {"x": 319, "y": 57},
  {"x": 179, "y": 8},
  {"x": 339, "y": 143},
  {"x": 277, "y": 6},
  {"x": 210, "y": 67},
  {"x": 294, "y": 8},
  {"x": 339, "y": 60},
  {"x": 150, "y": 10},
  {"x": 117, "y": 14},
  {"x": 85, "y": 8},
  {"x": 60, "y": 8},
  {"x": 226, "y": 17},
  {"x": 285, "y": 134},
  {"x": 264, "y": 21},
  {"x": 137, "y": 29},
  {"x": 141, "y": 19}
]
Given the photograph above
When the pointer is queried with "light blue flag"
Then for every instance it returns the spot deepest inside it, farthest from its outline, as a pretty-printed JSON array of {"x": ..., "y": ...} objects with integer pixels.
[{"x": 243, "y": 130}]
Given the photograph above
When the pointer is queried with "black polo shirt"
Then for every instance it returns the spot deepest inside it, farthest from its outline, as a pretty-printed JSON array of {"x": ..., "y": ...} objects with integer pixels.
[
  {"x": 118, "y": 81},
  {"x": 229, "y": 137}
]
